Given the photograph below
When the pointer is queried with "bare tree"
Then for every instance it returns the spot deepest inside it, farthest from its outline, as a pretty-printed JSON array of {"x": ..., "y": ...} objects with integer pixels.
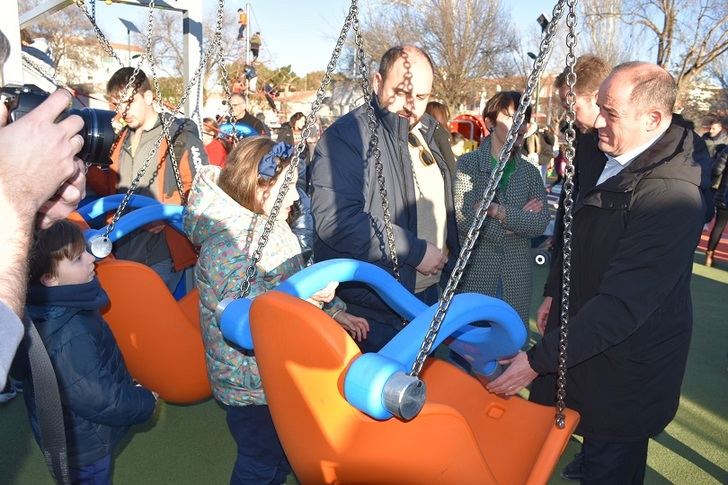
[
  {"x": 690, "y": 34},
  {"x": 467, "y": 39},
  {"x": 73, "y": 45},
  {"x": 606, "y": 35},
  {"x": 168, "y": 52}
]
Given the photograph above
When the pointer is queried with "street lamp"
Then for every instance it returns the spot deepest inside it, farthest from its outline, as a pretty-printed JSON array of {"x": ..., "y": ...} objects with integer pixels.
[
  {"x": 130, "y": 27},
  {"x": 543, "y": 22}
]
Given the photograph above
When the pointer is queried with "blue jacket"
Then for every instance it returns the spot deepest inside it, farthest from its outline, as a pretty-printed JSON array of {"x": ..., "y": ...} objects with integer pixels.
[
  {"x": 100, "y": 401},
  {"x": 347, "y": 206}
]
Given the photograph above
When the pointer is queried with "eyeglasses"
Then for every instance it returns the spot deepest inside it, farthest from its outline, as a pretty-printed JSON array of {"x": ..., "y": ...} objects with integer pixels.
[{"x": 425, "y": 156}]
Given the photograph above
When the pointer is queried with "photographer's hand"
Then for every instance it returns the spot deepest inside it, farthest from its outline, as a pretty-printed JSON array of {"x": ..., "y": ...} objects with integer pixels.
[{"x": 37, "y": 157}]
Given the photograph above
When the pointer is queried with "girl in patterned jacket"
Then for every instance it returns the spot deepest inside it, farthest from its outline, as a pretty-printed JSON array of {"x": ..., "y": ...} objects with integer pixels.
[{"x": 226, "y": 212}]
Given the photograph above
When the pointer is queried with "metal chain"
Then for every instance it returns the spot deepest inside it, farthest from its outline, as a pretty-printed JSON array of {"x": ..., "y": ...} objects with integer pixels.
[
  {"x": 158, "y": 142},
  {"x": 42, "y": 71},
  {"x": 130, "y": 89},
  {"x": 489, "y": 192},
  {"x": 373, "y": 149},
  {"x": 224, "y": 77},
  {"x": 568, "y": 188},
  {"x": 295, "y": 160},
  {"x": 99, "y": 35},
  {"x": 165, "y": 131},
  {"x": 93, "y": 10}
]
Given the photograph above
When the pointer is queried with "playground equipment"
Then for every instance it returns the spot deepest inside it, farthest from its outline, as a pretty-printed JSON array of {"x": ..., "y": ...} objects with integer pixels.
[
  {"x": 471, "y": 127},
  {"x": 332, "y": 405},
  {"x": 159, "y": 336},
  {"x": 393, "y": 416}
]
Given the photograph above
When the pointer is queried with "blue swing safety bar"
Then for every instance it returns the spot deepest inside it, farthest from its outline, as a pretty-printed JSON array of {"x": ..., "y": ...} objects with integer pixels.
[
  {"x": 147, "y": 210},
  {"x": 364, "y": 384},
  {"x": 241, "y": 130}
]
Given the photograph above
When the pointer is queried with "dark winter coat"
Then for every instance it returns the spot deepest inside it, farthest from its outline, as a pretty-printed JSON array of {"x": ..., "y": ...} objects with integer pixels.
[
  {"x": 99, "y": 398},
  {"x": 347, "y": 206},
  {"x": 720, "y": 179},
  {"x": 631, "y": 309}
]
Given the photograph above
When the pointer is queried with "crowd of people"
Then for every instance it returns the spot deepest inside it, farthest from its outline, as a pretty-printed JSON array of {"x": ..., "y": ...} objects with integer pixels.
[{"x": 639, "y": 168}]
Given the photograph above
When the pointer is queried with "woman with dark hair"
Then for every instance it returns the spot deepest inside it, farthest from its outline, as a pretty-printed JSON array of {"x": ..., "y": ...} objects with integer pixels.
[
  {"x": 441, "y": 113},
  {"x": 500, "y": 264},
  {"x": 290, "y": 132}
]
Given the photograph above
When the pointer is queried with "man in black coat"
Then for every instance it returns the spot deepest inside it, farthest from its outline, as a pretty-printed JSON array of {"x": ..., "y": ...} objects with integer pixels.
[
  {"x": 347, "y": 203},
  {"x": 630, "y": 308}
]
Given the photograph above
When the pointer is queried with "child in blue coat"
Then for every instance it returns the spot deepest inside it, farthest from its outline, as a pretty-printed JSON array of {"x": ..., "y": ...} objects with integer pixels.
[{"x": 99, "y": 399}]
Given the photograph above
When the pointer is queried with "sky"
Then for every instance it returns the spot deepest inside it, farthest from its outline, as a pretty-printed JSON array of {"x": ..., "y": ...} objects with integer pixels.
[{"x": 301, "y": 33}]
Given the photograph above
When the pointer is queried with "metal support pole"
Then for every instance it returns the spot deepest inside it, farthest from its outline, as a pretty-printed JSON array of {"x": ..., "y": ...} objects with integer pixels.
[
  {"x": 192, "y": 33},
  {"x": 247, "y": 35},
  {"x": 12, "y": 71}
]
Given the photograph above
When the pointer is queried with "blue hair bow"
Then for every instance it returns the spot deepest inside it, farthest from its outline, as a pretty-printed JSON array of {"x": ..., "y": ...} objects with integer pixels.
[{"x": 267, "y": 165}]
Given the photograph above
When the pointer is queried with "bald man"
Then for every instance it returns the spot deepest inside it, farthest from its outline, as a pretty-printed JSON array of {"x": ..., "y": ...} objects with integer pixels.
[
  {"x": 631, "y": 315},
  {"x": 346, "y": 201}
]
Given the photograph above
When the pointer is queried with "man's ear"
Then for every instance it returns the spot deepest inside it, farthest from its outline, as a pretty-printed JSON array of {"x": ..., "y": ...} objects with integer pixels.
[
  {"x": 49, "y": 280},
  {"x": 148, "y": 97},
  {"x": 653, "y": 119},
  {"x": 377, "y": 82},
  {"x": 594, "y": 96}
]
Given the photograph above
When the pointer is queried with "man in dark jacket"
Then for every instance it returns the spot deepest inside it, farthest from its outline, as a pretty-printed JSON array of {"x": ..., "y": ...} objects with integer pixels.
[
  {"x": 347, "y": 202},
  {"x": 630, "y": 308},
  {"x": 715, "y": 136}
]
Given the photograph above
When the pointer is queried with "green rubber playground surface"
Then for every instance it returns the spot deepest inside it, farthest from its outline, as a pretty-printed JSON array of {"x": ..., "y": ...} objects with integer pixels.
[{"x": 191, "y": 444}]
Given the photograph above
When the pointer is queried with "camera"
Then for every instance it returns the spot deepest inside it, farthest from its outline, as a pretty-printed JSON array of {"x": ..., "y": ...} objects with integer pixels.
[{"x": 97, "y": 132}]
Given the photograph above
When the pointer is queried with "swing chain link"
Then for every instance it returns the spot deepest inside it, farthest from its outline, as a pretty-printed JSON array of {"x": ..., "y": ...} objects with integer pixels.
[
  {"x": 292, "y": 169},
  {"x": 488, "y": 194},
  {"x": 224, "y": 76},
  {"x": 137, "y": 178},
  {"x": 568, "y": 188},
  {"x": 373, "y": 149},
  {"x": 165, "y": 131},
  {"x": 99, "y": 35},
  {"x": 41, "y": 70}
]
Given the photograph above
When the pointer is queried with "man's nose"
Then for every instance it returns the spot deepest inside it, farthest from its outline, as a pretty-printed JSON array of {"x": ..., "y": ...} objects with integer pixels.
[{"x": 600, "y": 122}]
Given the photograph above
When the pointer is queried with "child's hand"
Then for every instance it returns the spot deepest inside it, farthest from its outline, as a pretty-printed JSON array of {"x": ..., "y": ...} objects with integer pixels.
[
  {"x": 358, "y": 327},
  {"x": 325, "y": 295}
]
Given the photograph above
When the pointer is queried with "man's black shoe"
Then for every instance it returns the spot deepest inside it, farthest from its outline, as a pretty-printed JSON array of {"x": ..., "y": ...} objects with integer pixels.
[{"x": 574, "y": 470}]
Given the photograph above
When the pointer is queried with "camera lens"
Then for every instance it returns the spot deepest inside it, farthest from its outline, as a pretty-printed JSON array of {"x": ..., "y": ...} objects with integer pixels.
[{"x": 98, "y": 135}]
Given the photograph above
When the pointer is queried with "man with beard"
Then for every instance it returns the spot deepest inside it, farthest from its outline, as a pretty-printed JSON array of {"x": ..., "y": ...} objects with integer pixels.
[
  {"x": 157, "y": 245},
  {"x": 346, "y": 200}
]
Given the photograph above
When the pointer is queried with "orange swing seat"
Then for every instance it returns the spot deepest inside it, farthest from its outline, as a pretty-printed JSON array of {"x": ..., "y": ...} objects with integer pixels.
[
  {"x": 159, "y": 337},
  {"x": 464, "y": 434}
]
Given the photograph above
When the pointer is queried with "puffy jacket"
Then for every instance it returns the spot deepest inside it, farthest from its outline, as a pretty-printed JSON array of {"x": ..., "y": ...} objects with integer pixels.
[
  {"x": 100, "y": 401},
  {"x": 228, "y": 234}
]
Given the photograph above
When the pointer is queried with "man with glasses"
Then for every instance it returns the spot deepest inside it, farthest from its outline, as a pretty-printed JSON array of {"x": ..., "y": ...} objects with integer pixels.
[
  {"x": 239, "y": 106},
  {"x": 347, "y": 202}
]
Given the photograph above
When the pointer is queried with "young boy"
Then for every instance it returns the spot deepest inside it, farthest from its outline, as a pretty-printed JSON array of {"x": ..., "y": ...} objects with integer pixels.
[{"x": 100, "y": 401}]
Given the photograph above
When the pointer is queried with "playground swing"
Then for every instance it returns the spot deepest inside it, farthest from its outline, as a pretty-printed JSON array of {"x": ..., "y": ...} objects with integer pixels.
[
  {"x": 333, "y": 406},
  {"x": 316, "y": 380},
  {"x": 159, "y": 336}
]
